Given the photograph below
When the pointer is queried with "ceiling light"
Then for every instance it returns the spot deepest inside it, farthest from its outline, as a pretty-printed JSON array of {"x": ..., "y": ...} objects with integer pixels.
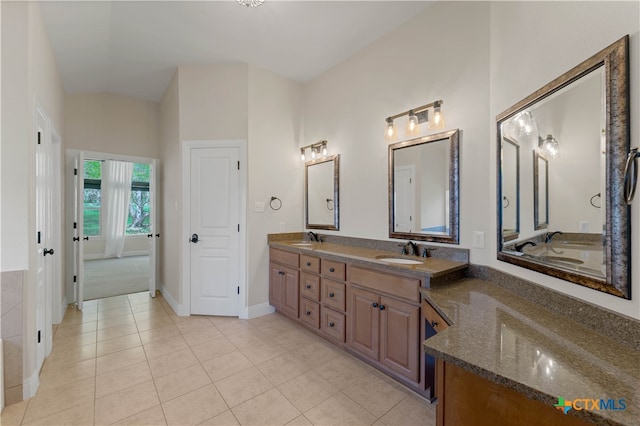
[
  {"x": 317, "y": 149},
  {"x": 413, "y": 127},
  {"x": 250, "y": 3},
  {"x": 437, "y": 122},
  {"x": 390, "y": 133},
  {"x": 416, "y": 117},
  {"x": 548, "y": 147}
]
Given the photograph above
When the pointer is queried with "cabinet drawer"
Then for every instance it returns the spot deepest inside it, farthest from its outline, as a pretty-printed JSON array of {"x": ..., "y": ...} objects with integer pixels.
[
  {"x": 310, "y": 313},
  {"x": 310, "y": 286},
  {"x": 432, "y": 317},
  {"x": 284, "y": 257},
  {"x": 333, "y": 324},
  {"x": 310, "y": 264},
  {"x": 396, "y": 285},
  {"x": 333, "y": 294},
  {"x": 335, "y": 270}
]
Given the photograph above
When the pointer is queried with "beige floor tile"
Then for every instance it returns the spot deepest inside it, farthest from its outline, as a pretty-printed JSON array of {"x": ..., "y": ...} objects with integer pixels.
[
  {"x": 80, "y": 415},
  {"x": 376, "y": 394},
  {"x": 269, "y": 408},
  {"x": 339, "y": 410},
  {"x": 146, "y": 307},
  {"x": 295, "y": 339},
  {"x": 180, "y": 382},
  {"x": 118, "y": 344},
  {"x": 191, "y": 324},
  {"x": 307, "y": 391},
  {"x": 75, "y": 341},
  {"x": 195, "y": 338},
  {"x": 77, "y": 317},
  {"x": 75, "y": 329},
  {"x": 164, "y": 346},
  {"x": 64, "y": 358},
  {"x": 56, "y": 377},
  {"x": 258, "y": 354},
  {"x": 161, "y": 333},
  {"x": 194, "y": 407},
  {"x": 60, "y": 398},
  {"x": 316, "y": 354},
  {"x": 226, "y": 365},
  {"x": 411, "y": 411},
  {"x": 125, "y": 403},
  {"x": 117, "y": 331},
  {"x": 114, "y": 313},
  {"x": 226, "y": 418},
  {"x": 282, "y": 369},
  {"x": 151, "y": 417},
  {"x": 151, "y": 314},
  {"x": 142, "y": 298},
  {"x": 13, "y": 414},
  {"x": 122, "y": 378},
  {"x": 246, "y": 339},
  {"x": 115, "y": 321},
  {"x": 153, "y": 323},
  {"x": 342, "y": 371},
  {"x": 299, "y": 421},
  {"x": 213, "y": 349},
  {"x": 171, "y": 362},
  {"x": 119, "y": 359},
  {"x": 243, "y": 386}
]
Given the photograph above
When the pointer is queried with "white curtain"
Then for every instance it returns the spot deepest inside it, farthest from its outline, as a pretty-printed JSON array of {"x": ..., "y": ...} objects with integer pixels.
[{"x": 116, "y": 191}]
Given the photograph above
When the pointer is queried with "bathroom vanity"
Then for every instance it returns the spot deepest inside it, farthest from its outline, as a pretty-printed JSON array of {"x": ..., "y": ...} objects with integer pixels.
[{"x": 366, "y": 301}]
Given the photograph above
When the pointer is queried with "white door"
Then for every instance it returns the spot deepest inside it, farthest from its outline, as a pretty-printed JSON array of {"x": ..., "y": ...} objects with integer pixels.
[
  {"x": 78, "y": 233},
  {"x": 404, "y": 193},
  {"x": 214, "y": 198},
  {"x": 153, "y": 235}
]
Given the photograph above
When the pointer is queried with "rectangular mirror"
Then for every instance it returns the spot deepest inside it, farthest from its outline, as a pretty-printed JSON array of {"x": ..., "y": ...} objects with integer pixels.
[
  {"x": 423, "y": 188},
  {"x": 510, "y": 189},
  {"x": 578, "y": 129},
  {"x": 322, "y": 204}
]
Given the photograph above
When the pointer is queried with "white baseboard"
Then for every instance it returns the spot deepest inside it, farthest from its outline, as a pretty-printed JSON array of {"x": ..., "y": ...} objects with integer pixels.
[
  {"x": 30, "y": 385},
  {"x": 124, "y": 254},
  {"x": 179, "y": 309},
  {"x": 1, "y": 378},
  {"x": 259, "y": 310}
]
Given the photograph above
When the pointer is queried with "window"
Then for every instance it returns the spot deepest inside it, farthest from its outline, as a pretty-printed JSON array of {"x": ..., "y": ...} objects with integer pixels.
[
  {"x": 92, "y": 197},
  {"x": 139, "y": 221}
]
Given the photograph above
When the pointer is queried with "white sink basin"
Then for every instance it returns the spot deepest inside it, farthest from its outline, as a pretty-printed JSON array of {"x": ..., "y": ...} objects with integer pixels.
[
  {"x": 302, "y": 244},
  {"x": 400, "y": 260}
]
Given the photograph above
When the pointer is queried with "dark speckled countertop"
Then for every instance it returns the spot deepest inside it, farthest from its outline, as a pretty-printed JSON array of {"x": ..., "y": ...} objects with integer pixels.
[
  {"x": 430, "y": 267},
  {"x": 544, "y": 355}
]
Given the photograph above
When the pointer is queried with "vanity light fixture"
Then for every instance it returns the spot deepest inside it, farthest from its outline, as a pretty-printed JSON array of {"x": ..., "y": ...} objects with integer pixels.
[
  {"x": 250, "y": 3},
  {"x": 318, "y": 148},
  {"x": 416, "y": 116},
  {"x": 548, "y": 147}
]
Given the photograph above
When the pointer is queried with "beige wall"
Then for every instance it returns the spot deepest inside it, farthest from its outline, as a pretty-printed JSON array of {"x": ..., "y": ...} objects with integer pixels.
[{"x": 110, "y": 123}]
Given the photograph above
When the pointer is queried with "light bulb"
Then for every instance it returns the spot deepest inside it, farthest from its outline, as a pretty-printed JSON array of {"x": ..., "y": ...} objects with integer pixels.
[
  {"x": 324, "y": 149},
  {"x": 437, "y": 122},
  {"x": 313, "y": 153},
  {"x": 390, "y": 133},
  {"x": 413, "y": 127},
  {"x": 302, "y": 154}
]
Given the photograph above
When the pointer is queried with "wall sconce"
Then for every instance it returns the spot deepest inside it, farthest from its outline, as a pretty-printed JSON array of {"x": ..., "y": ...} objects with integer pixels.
[
  {"x": 417, "y": 116},
  {"x": 317, "y": 149},
  {"x": 548, "y": 147}
]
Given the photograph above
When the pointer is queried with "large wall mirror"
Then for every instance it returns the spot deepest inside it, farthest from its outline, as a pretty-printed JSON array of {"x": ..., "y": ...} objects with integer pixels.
[
  {"x": 423, "y": 188},
  {"x": 578, "y": 129},
  {"x": 322, "y": 203}
]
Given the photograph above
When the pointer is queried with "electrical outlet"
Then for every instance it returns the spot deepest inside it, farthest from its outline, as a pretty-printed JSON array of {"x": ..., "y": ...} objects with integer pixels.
[
  {"x": 478, "y": 239},
  {"x": 259, "y": 207},
  {"x": 583, "y": 226}
]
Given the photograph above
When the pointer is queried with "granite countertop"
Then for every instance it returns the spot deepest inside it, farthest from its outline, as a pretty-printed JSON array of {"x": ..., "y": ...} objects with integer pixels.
[
  {"x": 431, "y": 266},
  {"x": 544, "y": 355}
]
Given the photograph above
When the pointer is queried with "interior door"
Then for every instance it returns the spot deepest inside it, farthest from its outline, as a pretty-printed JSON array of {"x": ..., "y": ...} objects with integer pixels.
[
  {"x": 153, "y": 232},
  {"x": 214, "y": 198},
  {"x": 404, "y": 193},
  {"x": 79, "y": 231}
]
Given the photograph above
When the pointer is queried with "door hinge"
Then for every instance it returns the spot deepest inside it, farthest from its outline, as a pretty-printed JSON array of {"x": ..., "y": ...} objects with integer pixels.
[
  {"x": 38, "y": 336},
  {"x": 238, "y": 289},
  {"x": 75, "y": 172},
  {"x": 39, "y": 142},
  {"x": 75, "y": 225},
  {"x": 238, "y": 227},
  {"x": 39, "y": 237},
  {"x": 238, "y": 165},
  {"x": 75, "y": 278}
]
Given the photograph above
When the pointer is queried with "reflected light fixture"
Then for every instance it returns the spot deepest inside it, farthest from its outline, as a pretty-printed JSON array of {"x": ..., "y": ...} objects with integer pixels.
[
  {"x": 416, "y": 116},
  {"x": 317, "y": 149},
  {"x": 548, "y": 147},
  {"x": 250, "y": 3}
]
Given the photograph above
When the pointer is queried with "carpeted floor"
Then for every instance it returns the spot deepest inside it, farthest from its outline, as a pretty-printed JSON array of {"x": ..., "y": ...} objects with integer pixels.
[{"x": 113, "y": 277}]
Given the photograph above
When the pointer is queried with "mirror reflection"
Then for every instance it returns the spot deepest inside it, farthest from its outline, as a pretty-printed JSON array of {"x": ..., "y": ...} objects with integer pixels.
[
  {"x": 321, "y": 193},
  {"x": 576, "y": 128},
  {"x": 423, "y": 188}
]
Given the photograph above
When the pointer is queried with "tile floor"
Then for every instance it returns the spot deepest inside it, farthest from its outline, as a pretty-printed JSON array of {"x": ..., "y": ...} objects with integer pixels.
[{"x": 130, "y": 360}]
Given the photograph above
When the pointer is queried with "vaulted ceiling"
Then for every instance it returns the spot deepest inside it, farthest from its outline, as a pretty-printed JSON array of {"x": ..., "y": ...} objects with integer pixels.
[{"x": 133, "y": 48}]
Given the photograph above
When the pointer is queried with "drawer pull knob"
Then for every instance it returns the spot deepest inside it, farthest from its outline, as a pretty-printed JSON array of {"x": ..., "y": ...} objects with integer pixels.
[
  {"x": 332, "y": 270},
  {"x": 308, "y": 313},
  {"x": 434, "y": 323},
  {"x": 280, "y": 272},
  {"x": 331, "y": 324},
  {"x": 331, "y": 294},
  {"x": 308, "y": 263},
  {"x": 308, "y": 286},
  {"x": 382, "y": 307},
  {"x": 374, "y": 304}
]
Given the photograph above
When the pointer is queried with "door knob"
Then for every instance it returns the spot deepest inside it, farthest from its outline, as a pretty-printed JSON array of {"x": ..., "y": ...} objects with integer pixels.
[
  {"x": 374, "y": 304},
  {"x": 46, "y": 252},
  {"x": 86, "y": 238},
  {"x": 194, "y": 238}
]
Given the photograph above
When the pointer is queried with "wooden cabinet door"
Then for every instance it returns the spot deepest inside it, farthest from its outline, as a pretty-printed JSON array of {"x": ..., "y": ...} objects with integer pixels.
[
  {"x": 363, "y": 319},
  {"x": 399, "y": 337},
  {"x": 276, "y": 285},
  {"x": 291, "y": 292}
]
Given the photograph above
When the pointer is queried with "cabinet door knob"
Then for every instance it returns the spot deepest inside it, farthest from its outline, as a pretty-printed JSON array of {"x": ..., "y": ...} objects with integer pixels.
[
  {"x": 382, "y": 307},
  {"x": 332, "y": 270},
  {"x": 308, "y": 286},
  {"x": 308, "y": 313},
  {"x": 331, "y": 324},
  {"x": 308, "y": 263},
  {"x": 434, "y": 323},
  {"x": 280, "y": 272},
  {"x": 374, "y": 304},
  {"x": 331, "y": 294}
]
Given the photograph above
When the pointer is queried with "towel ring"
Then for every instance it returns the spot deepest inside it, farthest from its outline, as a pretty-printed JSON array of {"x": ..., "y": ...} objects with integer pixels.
[
  {"x": 277, "y": 202},
  {"x": 591, "y": 200},
  {"x": 329, "y": 204}
]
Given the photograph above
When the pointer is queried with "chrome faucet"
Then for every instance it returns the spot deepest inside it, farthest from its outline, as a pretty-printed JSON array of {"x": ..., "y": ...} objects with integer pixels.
[
  {"x": 314, "y": 237},
  {"x": 519, "y": 247},
  {"x": 426, "y": 251},
  {"x": 414, "y": 248},
  {"x": 549, "y": 236}
]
